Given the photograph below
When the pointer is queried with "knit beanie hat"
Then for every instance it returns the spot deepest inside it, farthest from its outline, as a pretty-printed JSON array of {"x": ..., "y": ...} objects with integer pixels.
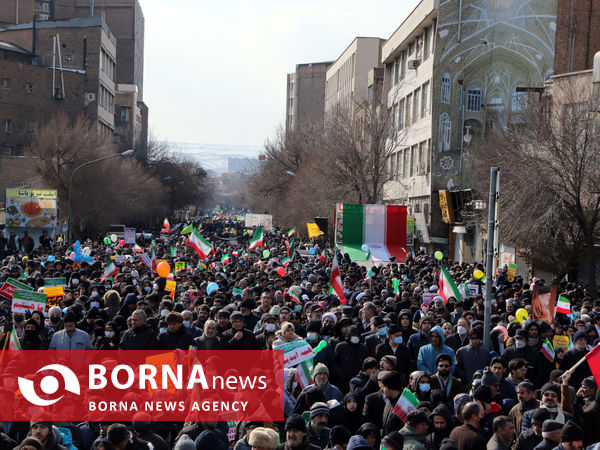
[
  {"x": 295, "y": 422},
  {"x": 320, "y": 368},
  {"x": 32, "y": 442},
  {"x": 393, "y": 441},
  {"x": 571, "y": 432},
  {"x": 318, "y": 408},
  {"x": 339, "y": 435},
  {"x": 540, "y": 415},
  {"x": 263, "y": 437}
]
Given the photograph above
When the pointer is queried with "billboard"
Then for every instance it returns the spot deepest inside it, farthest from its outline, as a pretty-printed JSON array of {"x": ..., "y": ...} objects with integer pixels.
[
  {"x": 253, "y": 220},
  {"x": 33, "y": 208}
]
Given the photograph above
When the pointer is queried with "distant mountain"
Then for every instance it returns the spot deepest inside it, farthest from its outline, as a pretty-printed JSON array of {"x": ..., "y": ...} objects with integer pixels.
[{"x": 213, "y": 157}]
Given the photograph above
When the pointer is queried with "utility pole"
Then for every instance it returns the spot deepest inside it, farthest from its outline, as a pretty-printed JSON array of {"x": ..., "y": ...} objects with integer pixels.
[{"x": 489, "y": 267}]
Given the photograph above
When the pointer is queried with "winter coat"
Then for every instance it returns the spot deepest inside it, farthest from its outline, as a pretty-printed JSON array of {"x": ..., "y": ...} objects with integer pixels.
[
  {"x": 527, "y": 440},
  {"x": 180, "y": 340},
  {"x": 415, "y": 342},
  {"x": 412, "y": 440},
  {"x": 348, "y": 359},
  {"x": 517, "y": 411},
  {"x": 467, "y": 437},
  {"x": 204, "y": 343},
  {"x": 495, "y": 443},
  {"x": 469, "y": 360},
  {"x": 373, "y": 409},
  {"x": 142, "y": 337},
  {"x": 405, "y": 363},
  {"x": 247, "y": 342},
  {"x": 362, "y": 385},
  {"x": 428, "y": 354},
  {"x": 281, "y": 340}
]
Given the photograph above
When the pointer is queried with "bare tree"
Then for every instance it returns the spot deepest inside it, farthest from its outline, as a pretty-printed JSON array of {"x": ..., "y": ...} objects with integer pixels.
[
  {"x": 114, "y": 191},
  {"x": 550, "y": 170}
]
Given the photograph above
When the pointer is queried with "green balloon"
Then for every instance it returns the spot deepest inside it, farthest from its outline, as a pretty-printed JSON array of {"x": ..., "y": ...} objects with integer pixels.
[
  {"x": 266, "y": 253},
  {"x": 107, "y": 240},
  {"x": 320, "y": 347},
  {"x": 438, "y": 255}
]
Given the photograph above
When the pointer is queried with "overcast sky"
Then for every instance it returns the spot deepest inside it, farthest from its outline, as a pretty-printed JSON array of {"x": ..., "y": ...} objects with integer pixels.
[{"x": 216, "y": 72}]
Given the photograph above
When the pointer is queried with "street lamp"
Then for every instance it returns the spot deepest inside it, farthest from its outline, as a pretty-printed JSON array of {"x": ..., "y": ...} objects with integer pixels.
[{"x": 125, "y": 153}]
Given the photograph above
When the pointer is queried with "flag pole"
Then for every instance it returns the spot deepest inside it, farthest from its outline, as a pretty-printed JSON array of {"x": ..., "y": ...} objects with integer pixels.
[{"x": 580, "y": 362}]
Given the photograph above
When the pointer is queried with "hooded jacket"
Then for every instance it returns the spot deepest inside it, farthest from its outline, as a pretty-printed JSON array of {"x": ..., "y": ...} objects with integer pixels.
[
  {"x": 428, "y": 354},
  {"x": 348, "y": 358},
  {"x": 434, "y": 439},
  {"x": 412, "y": 440}
]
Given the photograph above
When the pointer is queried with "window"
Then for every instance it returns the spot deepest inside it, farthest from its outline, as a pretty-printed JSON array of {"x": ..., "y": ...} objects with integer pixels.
[
  {"x": 398, "y": 161},
  {"x": 124, "y": 114},
  {"x": 423, "y": 163},
  {"x": 414, "y": 160},
  {"x": 416, "y": 109},
  {"x": 519, "y": 101},
  {"x": 29, "y": 88},
  {"x": 408, "y": 109},
  {"x": 7, "y": 151},
  {"x": 395, "y": 117},
  {"x": 445, "y": 88},
  {"x": 426, "y": 43},
  {"x": 43, "y": 17},
  {"x": 7, "y": 126},
  {"x": 401, "y": 114},
  {"x": 445, "y": 133},
  {"x": 31, "y": 127},
  {"x": 411, "y": 49},
  {"x": 425, "y": 100},
  {"x": 4, "y": 83},
  {"x": 402, "y": 65},
  {"x": 474, "y": 100},
  {"x": 405, "y": 162}
]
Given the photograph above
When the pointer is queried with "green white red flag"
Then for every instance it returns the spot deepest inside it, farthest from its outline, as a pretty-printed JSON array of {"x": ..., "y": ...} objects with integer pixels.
[
  {"x": 292, "y": 249},
  {"x": 563, "y": 305},
  {"x": 198, "y": 243},
  {"x": 137, "y": 248},
  {"x": 336, "y": 281},
  {"x": 285, "y": 261},
  {"x": 291, "y": 233},
  {"x": 225, "y": 259},
  {"x": 109, "y": 270},
  {"x": 447, "y": 287},
  {"x": 547, "y": 350},
  {"x": 153, "y": 261},
  {"x": 166, "y": 226},
  {"x": 295, "y": 297},
  {"x": 14, "y": 343},
  {"x": 257, "y": 239},
  {"x": 406, "y": 403}
]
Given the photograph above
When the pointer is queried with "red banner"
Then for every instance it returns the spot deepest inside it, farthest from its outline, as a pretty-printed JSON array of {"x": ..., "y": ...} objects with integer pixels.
[{"x": 115, "y": 385}]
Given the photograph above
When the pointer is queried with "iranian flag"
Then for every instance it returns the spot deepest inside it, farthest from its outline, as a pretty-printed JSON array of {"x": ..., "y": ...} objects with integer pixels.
[
  {"x": 563, "y": 305},
  {"x": 303, "y": 373},
  {"x": 14, "y": 343},
  {"x": 369, "y": 273},
  {"x": 295, "y": 297},
  {"x": 292, "y": 232},
  {"x": 547, "y": 350},
  {"x": 225, "y": 259},
  {"x": 137, "y": 248},
  {"x": 285, "y": 261},
  {"x": 292, "y": 249},
  {"x": 381, "y": 227},
  {"x": 166, "y": 226},
  {"x": 336, "y": 281},
  {"x": 323, "y": 257},
  {"x": 198, "y": 243},
  {"x": 406, "y": 403},
  {"x": 257, "y": 239},
  {"x": 447, "y": 287},
  {"x": 109, "y": 270},
  {"x": 464, "y": 290}
]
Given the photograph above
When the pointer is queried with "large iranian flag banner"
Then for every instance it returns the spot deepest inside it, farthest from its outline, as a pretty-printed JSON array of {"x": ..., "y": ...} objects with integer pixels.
[{"x": 382, "y": 228}]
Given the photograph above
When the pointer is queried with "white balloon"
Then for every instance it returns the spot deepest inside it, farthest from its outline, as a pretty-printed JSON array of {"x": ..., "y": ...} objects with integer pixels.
[{"x": 113, "y": 237}]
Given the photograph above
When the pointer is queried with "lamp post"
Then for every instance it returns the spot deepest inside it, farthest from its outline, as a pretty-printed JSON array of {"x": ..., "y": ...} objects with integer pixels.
[{"x": 125, "y": 153}]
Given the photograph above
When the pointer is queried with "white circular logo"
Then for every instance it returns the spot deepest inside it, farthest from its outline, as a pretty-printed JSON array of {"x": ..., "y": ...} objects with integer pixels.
[{"x": 49, "y": 385}]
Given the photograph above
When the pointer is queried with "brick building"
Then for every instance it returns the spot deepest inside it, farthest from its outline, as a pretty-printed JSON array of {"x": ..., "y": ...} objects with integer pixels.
[
  {"x": 28, "y": 100},
  {"x": 577, "y": 36},
  {"x": 306, "y": 95}
]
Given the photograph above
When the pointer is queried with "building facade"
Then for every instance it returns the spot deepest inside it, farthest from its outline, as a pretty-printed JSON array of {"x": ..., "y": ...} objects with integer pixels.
[
  {"x": 346, "y": 81},
  {"x": 305, "y": 96},
  {"x": 408, "y": 59}
]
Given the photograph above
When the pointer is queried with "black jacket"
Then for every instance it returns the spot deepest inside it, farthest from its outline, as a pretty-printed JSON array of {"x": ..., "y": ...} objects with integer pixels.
[
  {"x": 361, "y": 385},
  {"x": 138, "y": 338},
  {"x": 247, "y": 342},
  {"x": 203, "y": 343},
  {"x": 373, "y": 408},
  {"x": 181, "y": 340}
]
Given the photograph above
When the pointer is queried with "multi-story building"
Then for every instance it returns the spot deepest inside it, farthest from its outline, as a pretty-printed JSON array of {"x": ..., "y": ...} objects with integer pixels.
[
  {"x": 408, "y": 59},
  {"x": 242, "y": 165},
  {"x": 305, "y": 96},
  {"x": 78, "y": 45},
  {"x": 577, "y": 36},
  {"x": 346, "y": 84}
]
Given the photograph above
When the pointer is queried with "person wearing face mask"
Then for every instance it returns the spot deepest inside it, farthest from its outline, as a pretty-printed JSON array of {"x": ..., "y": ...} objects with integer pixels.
[
  {"x": 377, "y": 335},
  {"x": 54, "y": 320},
  {"x": 141, "y": 336},
  {"x": 571, "y": 357},
  {"x": 468, "y": 435},
  {"x": 18, "y": 320},
  {"x": 348, "y": 357},
  {"x": 395, "y": 346},
  {"x": 31, "y": 338},
  {"x": 100, "y": 340},
  {"x": 188, "y": 323},
  {"x": 426, "y": 360},
  {"x": 313, "y": 337},
  {"x": 521, "y": 350}
]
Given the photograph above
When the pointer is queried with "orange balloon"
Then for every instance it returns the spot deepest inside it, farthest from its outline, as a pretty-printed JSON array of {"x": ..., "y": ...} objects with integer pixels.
[
  {"x": 281, "y": 271},
  {"x": 163, "y": 269}
]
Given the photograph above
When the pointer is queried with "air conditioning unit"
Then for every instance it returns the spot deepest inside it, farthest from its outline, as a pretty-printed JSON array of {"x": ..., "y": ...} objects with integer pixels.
[
  {"x": 413, "y": 63},
  {"x": 91, "y": 97}
]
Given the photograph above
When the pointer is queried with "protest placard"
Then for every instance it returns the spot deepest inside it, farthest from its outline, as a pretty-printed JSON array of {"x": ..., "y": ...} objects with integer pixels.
[{"x": 28, "y": 301}]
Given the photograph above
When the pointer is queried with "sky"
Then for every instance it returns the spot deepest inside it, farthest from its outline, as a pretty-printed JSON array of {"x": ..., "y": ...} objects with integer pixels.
[{"x": 215, "y": 72}]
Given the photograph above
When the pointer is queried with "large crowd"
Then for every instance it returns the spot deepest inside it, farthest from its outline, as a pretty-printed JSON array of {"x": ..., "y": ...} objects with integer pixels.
[{"x": 379, "y": 342}]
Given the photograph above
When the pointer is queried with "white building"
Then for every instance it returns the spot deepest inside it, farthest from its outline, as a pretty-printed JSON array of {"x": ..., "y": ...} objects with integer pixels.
[
  {"x": 346, "y": 81},
  {"x": 408, "y": 59}
]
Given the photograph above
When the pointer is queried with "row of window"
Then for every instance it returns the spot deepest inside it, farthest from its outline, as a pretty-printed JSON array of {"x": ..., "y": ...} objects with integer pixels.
[
  {"x": 107, "y": 64},
  {"x": 420, "y": 49},
  {"x": 30, "y": 126},
  {"x": 410, "y": 161},
  {"x": 106, "y": 99},
  {"x": 413, "y": 107}
]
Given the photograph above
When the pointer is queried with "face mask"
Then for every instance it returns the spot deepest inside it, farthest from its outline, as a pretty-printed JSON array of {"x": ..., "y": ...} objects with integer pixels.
[
  {"x": 354, "y": 339},
  {"x": 311, "y": 336},
  {"x": 520, "y": 344},
  {"x": 162, "y": 330},
  {"x": 398, "y": 340},
  {"x": 54, "y": 319},
  {"x": 382, "y": 331},
  {"x": 297, "y": 307},
  {"x": 147, "y": 288},
  {"x": 74, "y": 281},
  {"x": 461, "y": 330},
  {"x": 109, "y": 334},
  {"x": 187, "y": 323},
  {"x": 424, "y": 387},
  {"x": 94, "y": 305},
  {"x": 94, "y": 293},
  {"x": 164, "y": 312},
  {"x": 270, "y": 327},
  {"x": 327, "y": 330},
  {"x": 470, "y": 321},
  {"x": 107, "y": 287}
]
